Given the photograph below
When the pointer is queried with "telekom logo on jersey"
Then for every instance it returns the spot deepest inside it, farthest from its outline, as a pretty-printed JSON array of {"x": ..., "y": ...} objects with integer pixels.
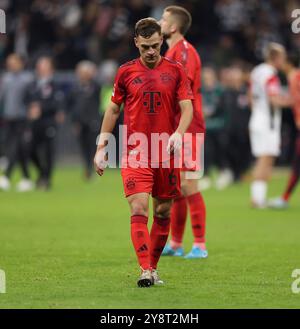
[{"x": 137, "y": 151}]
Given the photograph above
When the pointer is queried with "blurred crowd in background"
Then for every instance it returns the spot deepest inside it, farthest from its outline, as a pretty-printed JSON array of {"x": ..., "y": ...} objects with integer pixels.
[
  {"x": 57, "y": 86},
  {"x": 224, "y": 31}
]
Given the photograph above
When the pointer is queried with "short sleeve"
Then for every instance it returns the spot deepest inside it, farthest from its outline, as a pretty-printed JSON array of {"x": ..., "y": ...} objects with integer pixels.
[
  {"x": 184, "y": 90},
  {"x": 118, "y": 93},
  {"x": 273, "y": 86}
]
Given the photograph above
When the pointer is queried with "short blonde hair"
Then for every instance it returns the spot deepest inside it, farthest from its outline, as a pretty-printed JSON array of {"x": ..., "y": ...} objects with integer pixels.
[{"x": 272, "y": 50}]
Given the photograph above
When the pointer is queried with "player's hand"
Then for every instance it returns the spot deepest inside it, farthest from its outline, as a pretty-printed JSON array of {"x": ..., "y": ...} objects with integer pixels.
[
  {"x": 34, "y": 111},
  {"x": 100, "y": 161},
  {"x": 175, "y": 143}
]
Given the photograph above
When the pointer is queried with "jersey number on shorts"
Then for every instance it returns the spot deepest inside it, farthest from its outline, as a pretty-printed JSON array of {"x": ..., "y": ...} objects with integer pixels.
[{"x": 172, "y": 178}]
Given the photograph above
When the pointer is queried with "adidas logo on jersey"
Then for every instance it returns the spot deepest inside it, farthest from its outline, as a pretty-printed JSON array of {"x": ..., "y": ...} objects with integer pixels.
[{"x": 137, "y": 81}]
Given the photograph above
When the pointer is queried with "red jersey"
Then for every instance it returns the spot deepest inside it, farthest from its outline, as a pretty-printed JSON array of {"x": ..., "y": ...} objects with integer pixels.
[
  {"x": 294, "y": 84},
  {"x": 150, "y": 96},
  {"x": 184, "y": 53}
]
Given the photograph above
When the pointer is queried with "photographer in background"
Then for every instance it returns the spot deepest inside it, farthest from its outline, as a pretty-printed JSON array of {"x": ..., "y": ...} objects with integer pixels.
[
  {"x": 84, "y": 106},
  {"x": 45, "y": 110}
]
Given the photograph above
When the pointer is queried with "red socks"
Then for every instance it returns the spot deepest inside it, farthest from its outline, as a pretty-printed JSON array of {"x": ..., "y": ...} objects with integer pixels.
[
  {"x": 198, "y": 216},
  {"x": 179, "y": 216},
  {"x": 141, "y": 240},
  {"x": 159, "y": 236},
  {"x": 148, "y": 250},
  {"x": 291, "y": 185},
  {"x": 178, "y": 219}
]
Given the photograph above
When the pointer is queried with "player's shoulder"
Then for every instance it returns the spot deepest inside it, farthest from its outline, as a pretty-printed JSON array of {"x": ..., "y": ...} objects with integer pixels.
[
  {"x": 186, "y": 45},
  {"x": 126, "y": 67},
  {"x": 172, "y": 63},
  {"x": 190, "y": 49},
  {"x": 297, "y": 74},
  {"x": 294, "y": 78},
  {"x": 129, "y": 63},
  {"x": 263, "y": 71}
]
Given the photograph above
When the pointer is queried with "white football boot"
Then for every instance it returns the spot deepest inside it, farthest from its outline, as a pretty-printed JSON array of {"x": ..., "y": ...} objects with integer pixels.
[
  {"x": 25, "y": 185},
  {"x": 4, "y": 183}
]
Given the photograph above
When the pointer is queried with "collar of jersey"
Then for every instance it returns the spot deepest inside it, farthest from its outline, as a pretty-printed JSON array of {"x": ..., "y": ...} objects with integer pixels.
[{"x": 145, "y": 66}]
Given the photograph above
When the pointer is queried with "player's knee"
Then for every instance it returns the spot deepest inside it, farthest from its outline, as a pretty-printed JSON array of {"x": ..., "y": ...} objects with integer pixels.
[
  {"x": 189, "y": 186},
  {"x": 163, "y": 210},
  {"x": 138, "y": 208}
]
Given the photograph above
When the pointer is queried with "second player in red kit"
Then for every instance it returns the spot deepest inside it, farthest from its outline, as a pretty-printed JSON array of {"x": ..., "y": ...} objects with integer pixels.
[{"x": 175, "y": 23}]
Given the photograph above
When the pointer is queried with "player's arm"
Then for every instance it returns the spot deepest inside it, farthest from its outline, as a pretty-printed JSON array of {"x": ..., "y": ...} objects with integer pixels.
[
  {"x": 186, "y": 108},
  {"x": 111, "y": 116},
  {"x": 175, "y": 141},
  {"x": 184, "y": 96},
  {"x": 275, "y": 97},
  {"x": 295, "y": 92},
  {"x": 281, "y": 100}
]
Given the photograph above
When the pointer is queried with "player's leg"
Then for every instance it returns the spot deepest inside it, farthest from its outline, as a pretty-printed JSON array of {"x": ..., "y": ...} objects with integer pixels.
[
  {"x": 189, "y": 188},
  {"x": 12, "y": 156},
  {"x": 192, "y": 197},
  {"x": 138, "y": 184},
  {"x": 25, "y": 184},
  {"x": 160, "y": 229},
  {"x": 138, "y": 204},
  {"x": 178, "y": 221},
  {"x": 282, "y": 202},
  {"x": 294, "y": 178},
  {"x": 262, "y": 172}
]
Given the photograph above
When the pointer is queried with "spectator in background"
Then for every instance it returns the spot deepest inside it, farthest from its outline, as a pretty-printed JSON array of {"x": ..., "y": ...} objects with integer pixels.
[
  {"x": 84, "y": 106},
  {"x": 45, "y": 109},
  {"x": 12, "y": 98},
  {"x": 215, "y": 123},
  {"x": 235, "y": 103}
]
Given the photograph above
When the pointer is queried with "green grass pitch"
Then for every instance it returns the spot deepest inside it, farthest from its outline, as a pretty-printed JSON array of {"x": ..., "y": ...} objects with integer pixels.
[{"x": 71, "y": 248}]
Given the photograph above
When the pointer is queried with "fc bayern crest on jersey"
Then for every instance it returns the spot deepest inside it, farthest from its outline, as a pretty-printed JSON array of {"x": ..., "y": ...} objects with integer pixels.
[
  {"x": 130, "y": 183},
  {"x": 166, "y": 77}
]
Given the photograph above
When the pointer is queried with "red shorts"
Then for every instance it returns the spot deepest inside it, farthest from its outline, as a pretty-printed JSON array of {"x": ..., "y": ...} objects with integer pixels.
[
  {"x": 193, "y": 152},
  {"x": 162, "y": 183}
]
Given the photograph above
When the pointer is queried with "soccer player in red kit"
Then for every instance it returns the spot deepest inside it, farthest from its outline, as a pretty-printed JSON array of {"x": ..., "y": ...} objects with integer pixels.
[
  {"x": 293, "y": 75},
  {"x": 150, "y": 88},
  {"x": 175, "y": 22}
]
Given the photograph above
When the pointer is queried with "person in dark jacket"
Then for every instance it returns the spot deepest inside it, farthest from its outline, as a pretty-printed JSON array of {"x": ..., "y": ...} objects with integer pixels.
[
  {"x": 84, "y": 105},
  {"x": 215, "y": 122},
  {"x": 235, "y": 103},
  {"x": 45, "y": 108},
  {"x": 13, "y": 112}
]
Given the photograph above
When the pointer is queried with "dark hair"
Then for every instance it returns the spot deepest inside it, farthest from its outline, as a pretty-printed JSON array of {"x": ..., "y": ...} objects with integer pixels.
[
  {"x": 146, "y": 27},
  {"x": 293, "y": 59},
  {"x": 183, "y": 17}
]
